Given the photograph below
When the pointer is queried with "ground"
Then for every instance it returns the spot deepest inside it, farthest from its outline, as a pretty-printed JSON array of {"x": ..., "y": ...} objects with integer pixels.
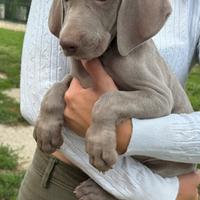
[
  {"x": 18, "y": 137},
  {"x": 16, "y": 141},
  {"x": 18, "y": 134},
  {"x": 12, "y": 26}
]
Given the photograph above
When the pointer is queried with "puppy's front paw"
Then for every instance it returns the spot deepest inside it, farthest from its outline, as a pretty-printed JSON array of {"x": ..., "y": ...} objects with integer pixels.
[
  {"x": 89, "y": 190},
  {"x": 48, "y": 136},
  {"x": 101, "y": 146}
]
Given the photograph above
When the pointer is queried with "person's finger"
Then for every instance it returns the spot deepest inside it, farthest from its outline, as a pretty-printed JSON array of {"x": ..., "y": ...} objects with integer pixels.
[
  {"x": 95, "y": 69},
  {"x": 75, "y": 85}
]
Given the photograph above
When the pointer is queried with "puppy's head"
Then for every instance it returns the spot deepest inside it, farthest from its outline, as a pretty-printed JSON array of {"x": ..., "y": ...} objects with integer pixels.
[{"x": 86, "y": 27}]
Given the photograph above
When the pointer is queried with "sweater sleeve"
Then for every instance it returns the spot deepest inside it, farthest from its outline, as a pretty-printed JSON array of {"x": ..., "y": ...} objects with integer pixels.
[{"x": 174, "y": 138}]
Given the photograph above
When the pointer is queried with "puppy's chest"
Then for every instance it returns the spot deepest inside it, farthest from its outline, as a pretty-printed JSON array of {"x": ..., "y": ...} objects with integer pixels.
[{"x": 121, "y": 72}]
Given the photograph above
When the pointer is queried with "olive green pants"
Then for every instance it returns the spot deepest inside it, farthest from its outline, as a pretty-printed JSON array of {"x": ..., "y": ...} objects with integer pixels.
[{"x": 50, "y": 179}]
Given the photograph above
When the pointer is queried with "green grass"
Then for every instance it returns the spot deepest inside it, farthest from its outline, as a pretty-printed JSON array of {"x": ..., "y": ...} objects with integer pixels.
[
  {"x": 8, "y": 158},
  {"x": 9, "y": 111},
  {"x": 193, "y": 87},
  {"x": 10, "y": 56},
  {"x": 9, "y": 184},
  {"x": 10, "y": 177}
]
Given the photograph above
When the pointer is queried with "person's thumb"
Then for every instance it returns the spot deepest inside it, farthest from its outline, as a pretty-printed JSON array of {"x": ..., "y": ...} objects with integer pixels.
[
  {"x": 95, "y": 69},
  {"x": 74, "y": 87},
  {"x": 101, "y": 80}
]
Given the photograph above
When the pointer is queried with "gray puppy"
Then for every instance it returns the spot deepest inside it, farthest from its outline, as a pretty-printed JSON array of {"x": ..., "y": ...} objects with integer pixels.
[{"x": 119, "y": 32}]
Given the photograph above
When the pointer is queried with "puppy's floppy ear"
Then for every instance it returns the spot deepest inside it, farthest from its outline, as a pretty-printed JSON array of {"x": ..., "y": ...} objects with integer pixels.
[
  {"x": 139, "y": 20},
  {"x": 55, "y": 17}
]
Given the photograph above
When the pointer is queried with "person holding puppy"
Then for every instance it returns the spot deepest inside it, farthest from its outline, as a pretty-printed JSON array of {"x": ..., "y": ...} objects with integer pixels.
[{"x": 42, "y": 68}]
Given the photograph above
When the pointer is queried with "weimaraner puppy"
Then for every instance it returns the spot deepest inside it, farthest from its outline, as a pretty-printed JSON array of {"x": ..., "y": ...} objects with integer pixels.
[{"x": 119, "y": 32}]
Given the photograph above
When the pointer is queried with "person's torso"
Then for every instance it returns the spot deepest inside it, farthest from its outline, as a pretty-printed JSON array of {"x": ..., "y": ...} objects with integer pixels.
[{"x": 178, "y": 39}]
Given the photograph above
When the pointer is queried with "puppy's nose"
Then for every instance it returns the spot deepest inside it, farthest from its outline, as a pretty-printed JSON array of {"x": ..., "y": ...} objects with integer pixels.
[{"x": 69, "y": 46}]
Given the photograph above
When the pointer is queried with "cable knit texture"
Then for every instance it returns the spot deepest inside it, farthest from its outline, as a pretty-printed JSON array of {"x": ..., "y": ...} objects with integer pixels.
[
  {"x": 177, "y": 138},
  {"x": 43, "y": 63}
]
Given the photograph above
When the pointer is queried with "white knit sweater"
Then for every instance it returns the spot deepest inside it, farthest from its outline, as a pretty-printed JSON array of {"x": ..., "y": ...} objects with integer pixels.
[{"x": 175, "y": 137}]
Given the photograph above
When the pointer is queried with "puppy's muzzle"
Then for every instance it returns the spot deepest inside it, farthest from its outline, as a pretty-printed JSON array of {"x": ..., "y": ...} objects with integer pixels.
[{"x": 70, "y": 47}]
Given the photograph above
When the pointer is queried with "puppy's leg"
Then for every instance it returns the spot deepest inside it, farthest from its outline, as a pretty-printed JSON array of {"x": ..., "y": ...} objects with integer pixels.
[
  {"x": 109, "y": 110},
  {"x": 89, "y": 190},
  {"x": 49, "y": 124},
  {"x": 101, "y": 145}
]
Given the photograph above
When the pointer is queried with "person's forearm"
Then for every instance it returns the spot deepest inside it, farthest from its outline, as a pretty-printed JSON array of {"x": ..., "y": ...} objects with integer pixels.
[{"x": 175, "y": 138}]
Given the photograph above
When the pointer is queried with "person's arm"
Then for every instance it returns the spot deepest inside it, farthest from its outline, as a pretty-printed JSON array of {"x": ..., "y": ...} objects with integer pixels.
[{"x": 175, "y": 138}]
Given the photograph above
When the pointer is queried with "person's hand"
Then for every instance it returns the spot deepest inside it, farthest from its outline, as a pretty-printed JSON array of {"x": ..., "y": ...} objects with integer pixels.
[
  {"x": 80, "y": 102},
  {"x": 188, "y": 186}
]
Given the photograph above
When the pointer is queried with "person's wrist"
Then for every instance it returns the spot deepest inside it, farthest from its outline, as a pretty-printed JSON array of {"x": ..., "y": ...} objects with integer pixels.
[{"x": 124, "y": 133}]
